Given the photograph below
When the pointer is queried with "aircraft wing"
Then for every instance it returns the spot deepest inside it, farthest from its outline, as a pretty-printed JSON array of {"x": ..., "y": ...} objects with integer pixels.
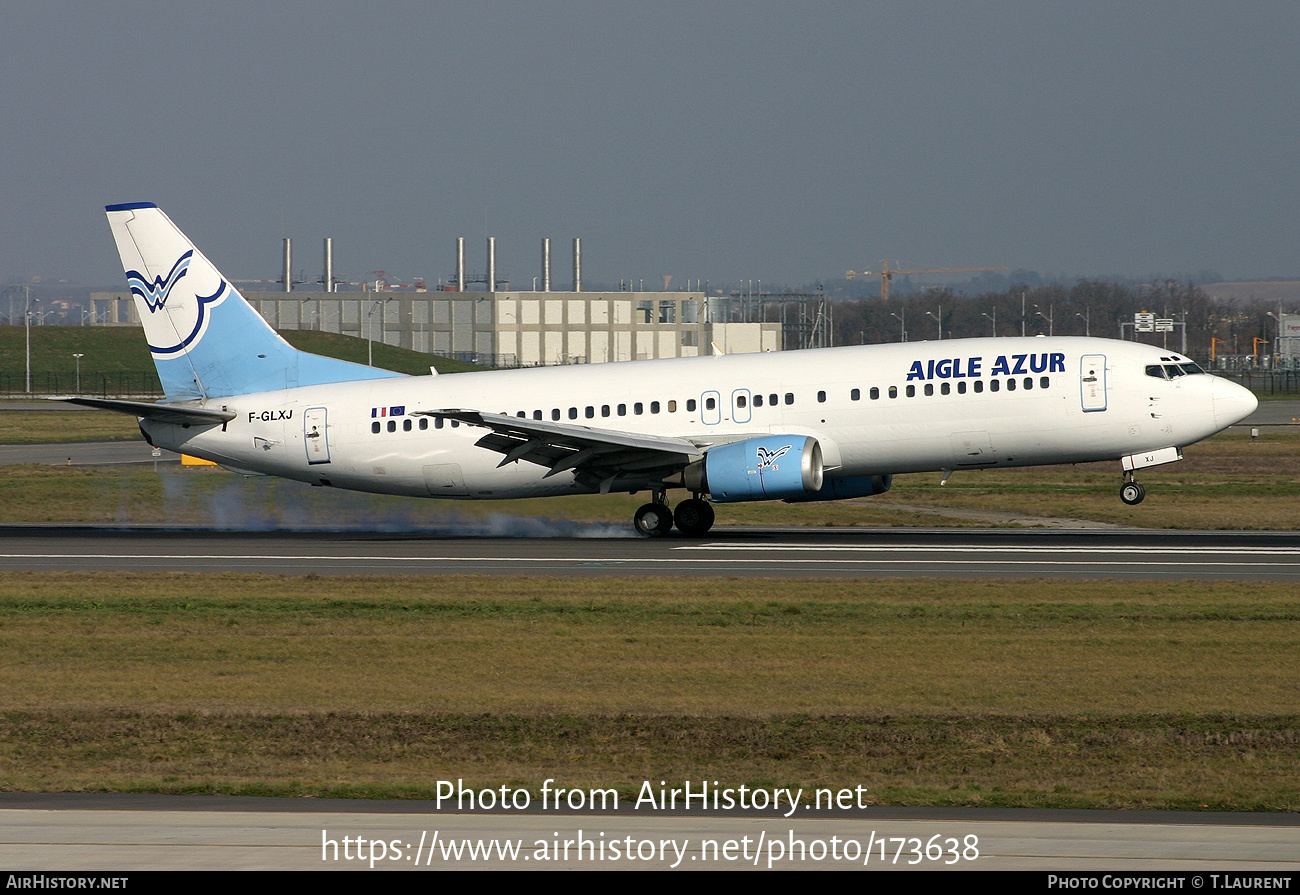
[
  {"x": 163, "y": 413},
  {"x": 606, "y": 457}
]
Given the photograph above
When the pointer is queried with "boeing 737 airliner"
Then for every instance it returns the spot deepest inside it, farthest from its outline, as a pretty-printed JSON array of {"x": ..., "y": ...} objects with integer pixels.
[{"x": 824, "y": 424}]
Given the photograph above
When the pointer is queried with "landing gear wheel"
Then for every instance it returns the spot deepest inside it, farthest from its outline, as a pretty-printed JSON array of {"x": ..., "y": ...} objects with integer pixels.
[
  {"x": 1132, "y": 493},
  {"x": 654, "y": 520},
  {"x": 694, "y": 517}
]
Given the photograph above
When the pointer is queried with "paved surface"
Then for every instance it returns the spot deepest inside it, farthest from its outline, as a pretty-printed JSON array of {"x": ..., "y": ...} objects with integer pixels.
[
  {"x": 804, "y": 553},
  {"x": 91, "y": 453},
  {"x": 1274, "y": 413},
  {"x": 113, "y": 833}
]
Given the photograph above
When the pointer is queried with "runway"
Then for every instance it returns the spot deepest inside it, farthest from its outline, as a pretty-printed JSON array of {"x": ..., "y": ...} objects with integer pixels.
[
  {"x": 124, "y": 833},
  {"x": 127, "y": 833},
  {"x": 743, "y": 552}
]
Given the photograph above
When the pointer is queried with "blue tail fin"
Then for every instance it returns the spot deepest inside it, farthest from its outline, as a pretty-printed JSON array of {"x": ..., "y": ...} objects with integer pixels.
[{"x": 206, "y": 340}]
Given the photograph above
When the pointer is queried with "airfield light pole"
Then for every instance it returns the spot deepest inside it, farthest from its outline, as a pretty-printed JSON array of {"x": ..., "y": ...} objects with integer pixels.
[
  {"x": 370, "y": 333},
  {"x": 902, "y": 324},
  {"x": 994, "y": 318},
  {"x": 370, "y": 328},
  {"x": 78, "y": 357},
  {"x": 1051, "y": 327},
  {"x": 1087, "y": 322},
  {"x": 938, "y": 320},
  {"x": 27, "y": 324}
]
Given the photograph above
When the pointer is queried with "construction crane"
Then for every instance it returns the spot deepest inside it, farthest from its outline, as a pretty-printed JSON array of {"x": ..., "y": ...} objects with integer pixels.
[{"x": 885, "y": 274}]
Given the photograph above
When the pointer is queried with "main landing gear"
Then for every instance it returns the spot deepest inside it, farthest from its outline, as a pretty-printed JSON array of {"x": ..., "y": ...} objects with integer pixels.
[
  {"x": 1131, "y": 492},
  {"x": 694, "y": 517}
]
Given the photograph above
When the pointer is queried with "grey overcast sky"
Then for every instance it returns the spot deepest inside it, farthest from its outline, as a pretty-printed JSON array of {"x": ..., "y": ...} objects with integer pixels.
[{"x": 785, "y": 142}]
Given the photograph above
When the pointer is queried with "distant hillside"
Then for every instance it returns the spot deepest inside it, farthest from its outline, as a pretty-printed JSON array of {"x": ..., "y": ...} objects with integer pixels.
[
  {"x": 400, "y": 360},
  {"x": 1263, "y": 290},
  {"x": 116, "y": 359}
]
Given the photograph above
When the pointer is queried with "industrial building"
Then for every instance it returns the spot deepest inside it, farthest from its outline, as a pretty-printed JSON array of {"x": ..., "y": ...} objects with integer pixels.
[{"x": 501, "y": 327}]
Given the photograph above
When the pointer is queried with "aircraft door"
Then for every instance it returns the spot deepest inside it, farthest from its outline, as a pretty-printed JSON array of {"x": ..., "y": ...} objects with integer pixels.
[
  {"x": 710, "y": 408},
  {"x": 314, "y": 435},
  {"x": 1092, "y": 382},
  {"x": 740, "y": 401}
]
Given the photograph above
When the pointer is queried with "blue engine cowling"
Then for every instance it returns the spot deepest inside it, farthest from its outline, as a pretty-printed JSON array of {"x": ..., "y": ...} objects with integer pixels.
[
  {"x": 845, "y": 488},
  {"x": 773, "y": 467}
]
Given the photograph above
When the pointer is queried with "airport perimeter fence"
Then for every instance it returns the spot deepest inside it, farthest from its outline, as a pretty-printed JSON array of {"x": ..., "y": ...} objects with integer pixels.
[
  {"x": 1265, "y": 382},
  {"x": 136, "y": 383}
]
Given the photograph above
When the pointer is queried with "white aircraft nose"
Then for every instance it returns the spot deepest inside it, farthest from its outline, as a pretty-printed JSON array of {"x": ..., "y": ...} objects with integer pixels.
[{"x": 1232, "y": 403}]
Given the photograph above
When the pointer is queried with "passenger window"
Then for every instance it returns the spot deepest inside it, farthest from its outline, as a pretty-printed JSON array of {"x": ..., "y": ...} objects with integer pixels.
[
  {"x": 604, "y": 410},
  {"x": 945, "y": 388},
  {"x": 690, "y": 405},
  {"x": 709, "y": 403},
  {"x": 555, "y": 413},
  {"x": 1029, "y": 382},
  {"x": 979, "y": 386},
  {"x": 589, "y": 412},
  {"x": 573, "y": 413},
  {"x": 893, "y": 391},
  {"x": 855, "y": 394},
  {"x": 1011, "y": 385},
  {"x": 875, "y": 393},
  {"x": 821, "y": 397},
  {"x": 1042, "y": 382},
  {"x": 406, "y": 425},
  {"x": 375, "y": 427},
  {"x": 929, "y": 389},
  {"x": 654, "y": 406},
  {"x": 622, "y": 410},
  {"x": 740, "y": 401},
  {"x": 638, "y": 408},
  {"x": 672, "y": 406},
  {"x": 961, "y": 387},
  {"x": 392, "y": 425},
  {"x": 437, "y": 424},
  {"x": 993, "y": 385},
  {"x": 424, "y": 423},
  {"x": 789, "y": 397},
  {"x": 758, "y": 400},
  {"x": 537, "y": 414},
  {"x": 771, "y": 400}
]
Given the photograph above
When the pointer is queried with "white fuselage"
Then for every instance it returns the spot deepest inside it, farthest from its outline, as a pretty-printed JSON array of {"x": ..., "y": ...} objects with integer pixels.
[{"x": 875, "y": 410}]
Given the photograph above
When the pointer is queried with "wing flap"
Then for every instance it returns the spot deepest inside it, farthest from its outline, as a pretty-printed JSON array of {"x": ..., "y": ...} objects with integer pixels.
[{"x": 592, "y": 454}]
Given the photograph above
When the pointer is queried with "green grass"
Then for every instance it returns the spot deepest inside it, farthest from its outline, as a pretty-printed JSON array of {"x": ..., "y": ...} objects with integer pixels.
[
  {"x": 121, "y": 354},
  {"x": 1227, "y": 482},
  {"x": 65, "y": 427},
  {"x": 1099, "y": 694}
]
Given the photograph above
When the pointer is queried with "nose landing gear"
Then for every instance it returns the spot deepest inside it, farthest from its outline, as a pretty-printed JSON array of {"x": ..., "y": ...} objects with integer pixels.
[{"x": 1132, "y": 492}]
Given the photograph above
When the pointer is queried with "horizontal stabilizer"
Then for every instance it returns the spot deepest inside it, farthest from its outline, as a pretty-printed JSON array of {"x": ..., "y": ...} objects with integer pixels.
[{"x": 178, "y": 414}]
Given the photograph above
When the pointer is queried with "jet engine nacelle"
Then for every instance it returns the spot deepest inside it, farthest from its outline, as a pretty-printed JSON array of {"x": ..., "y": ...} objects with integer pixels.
[
  {"x": 767, "y": 468},
  {"x": 845, "y": 488}
]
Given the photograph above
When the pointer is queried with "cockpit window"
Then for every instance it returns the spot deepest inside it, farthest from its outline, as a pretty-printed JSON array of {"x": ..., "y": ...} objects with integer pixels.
[
  {"x": 1173, "y": 371},
  {"x": 1192, "y": 368},
  {"x": 1156, "y": 370}
]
